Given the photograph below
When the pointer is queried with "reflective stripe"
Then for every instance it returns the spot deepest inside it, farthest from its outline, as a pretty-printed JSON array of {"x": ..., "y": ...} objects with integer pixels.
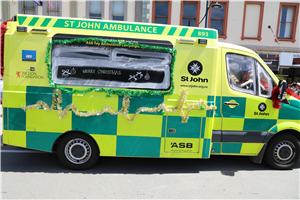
[
  {"x": 46, "y": 22},
  {"x": 33, "y": 21}
]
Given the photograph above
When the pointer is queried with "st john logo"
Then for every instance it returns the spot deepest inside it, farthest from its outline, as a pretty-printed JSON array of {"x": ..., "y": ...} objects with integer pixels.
[
  {"x": 195, "y": 68},
  {"x": 262, "y": 107}
]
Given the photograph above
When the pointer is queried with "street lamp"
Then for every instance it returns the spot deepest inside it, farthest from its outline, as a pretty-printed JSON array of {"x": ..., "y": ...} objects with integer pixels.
[{"x": 214, "y": 6}]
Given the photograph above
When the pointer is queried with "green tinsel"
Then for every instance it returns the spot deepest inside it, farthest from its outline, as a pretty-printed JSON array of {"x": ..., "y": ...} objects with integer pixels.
[{"x": 110, "y": 91}]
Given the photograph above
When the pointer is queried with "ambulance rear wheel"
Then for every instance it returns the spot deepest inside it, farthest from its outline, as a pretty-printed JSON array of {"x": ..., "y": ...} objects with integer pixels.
[
  {"x": 283, "y": 152},
  {"x": 77, "y": 151}
]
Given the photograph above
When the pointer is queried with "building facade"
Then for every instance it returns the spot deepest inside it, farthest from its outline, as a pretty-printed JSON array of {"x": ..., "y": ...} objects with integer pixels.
[{"x": 268, "y": 27}]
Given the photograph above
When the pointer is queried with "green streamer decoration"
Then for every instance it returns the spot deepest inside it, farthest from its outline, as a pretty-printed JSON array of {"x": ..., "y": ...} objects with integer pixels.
[{"x": 110, "y": 91}]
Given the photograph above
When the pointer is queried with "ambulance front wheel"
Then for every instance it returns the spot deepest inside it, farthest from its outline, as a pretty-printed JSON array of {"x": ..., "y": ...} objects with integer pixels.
[
  {"x": 283, "y": 151},
  {"x": 77, "y": 151}
]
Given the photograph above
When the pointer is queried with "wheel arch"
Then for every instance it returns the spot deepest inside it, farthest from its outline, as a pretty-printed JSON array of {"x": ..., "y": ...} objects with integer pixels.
[
  {"x": 271, "y": 136},
  {"x": 285, "y": 126},
  {"x": 55, "y": 144},
  {"x": 285, "y": 131},
  {"x": 291, "y": 127}
]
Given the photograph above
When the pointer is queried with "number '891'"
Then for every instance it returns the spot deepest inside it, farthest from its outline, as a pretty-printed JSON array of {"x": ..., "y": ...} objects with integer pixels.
[{"x": 202, "y": 33}]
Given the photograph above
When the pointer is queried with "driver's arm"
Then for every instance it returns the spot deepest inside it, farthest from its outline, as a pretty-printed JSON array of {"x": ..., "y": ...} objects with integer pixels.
[{"x": 246, "y": 83}]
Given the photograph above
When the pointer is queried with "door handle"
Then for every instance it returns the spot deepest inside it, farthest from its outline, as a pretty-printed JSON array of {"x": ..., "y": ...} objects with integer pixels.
[{"x": 231, "y": 104}]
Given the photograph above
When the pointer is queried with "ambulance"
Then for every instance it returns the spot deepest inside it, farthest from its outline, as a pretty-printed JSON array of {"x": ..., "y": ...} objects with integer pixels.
[{"x": 86, "y": 88}]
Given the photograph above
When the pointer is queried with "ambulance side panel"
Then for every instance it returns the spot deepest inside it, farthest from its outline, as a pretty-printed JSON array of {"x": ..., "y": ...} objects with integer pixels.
[{"x": 27, "y": 95}]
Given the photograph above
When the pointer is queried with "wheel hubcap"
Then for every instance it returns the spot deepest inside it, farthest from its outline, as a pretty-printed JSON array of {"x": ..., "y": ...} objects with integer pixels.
[
  {"x": 78, "y": 151},
  {"x": 284, "y": 152}
]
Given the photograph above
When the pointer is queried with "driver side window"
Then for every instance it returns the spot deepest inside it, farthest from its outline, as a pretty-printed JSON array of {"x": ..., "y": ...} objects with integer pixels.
[{"x": 241, "y": 73}]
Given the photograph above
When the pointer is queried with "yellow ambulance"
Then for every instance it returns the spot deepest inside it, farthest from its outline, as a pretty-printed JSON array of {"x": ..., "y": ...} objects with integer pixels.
[{"x": 84, "y": 88}]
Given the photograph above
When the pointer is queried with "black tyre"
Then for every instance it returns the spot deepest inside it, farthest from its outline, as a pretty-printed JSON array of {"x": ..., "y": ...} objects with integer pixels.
[
  {"x": 283, "y": 151},
  {"x": 77, "y": 151}
]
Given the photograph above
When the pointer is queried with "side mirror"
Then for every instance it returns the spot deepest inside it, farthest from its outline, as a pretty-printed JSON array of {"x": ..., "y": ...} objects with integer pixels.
[{"x": 281, "y": 90}]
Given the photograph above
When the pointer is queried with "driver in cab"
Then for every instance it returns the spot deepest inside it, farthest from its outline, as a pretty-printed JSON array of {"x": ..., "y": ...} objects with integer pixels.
[{"x": 247, "y": 80}]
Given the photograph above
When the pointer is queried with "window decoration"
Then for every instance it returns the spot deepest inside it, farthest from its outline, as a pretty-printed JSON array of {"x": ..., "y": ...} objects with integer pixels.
[
  {"x": 118, "y": 65},
  {"x": 57, "y": 100}
]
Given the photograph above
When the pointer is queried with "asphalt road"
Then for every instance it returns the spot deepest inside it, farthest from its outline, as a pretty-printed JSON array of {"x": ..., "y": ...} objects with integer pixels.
[
  {"x": 30, "y": 174},
  {"x": 33, "y": 175}
]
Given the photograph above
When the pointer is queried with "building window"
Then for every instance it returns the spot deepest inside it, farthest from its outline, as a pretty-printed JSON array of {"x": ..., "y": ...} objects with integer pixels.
[
  {"x": 161, "y": 12},
  {"x": 287, "y": 21},
  {"x": 218, "y": 19},
  {"x": 118, "y": 10},
  {"x": 95, "y": 9},
  {"x": 189, "y": 15},
  {"x": 28, "y": 7},
  {"x": 252, "y": 22},
  {"x": 53, "y": 8},
  {"x": 73, "y": 8}
]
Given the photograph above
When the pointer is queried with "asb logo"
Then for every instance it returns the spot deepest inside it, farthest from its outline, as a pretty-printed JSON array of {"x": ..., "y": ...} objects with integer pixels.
[
  {"x": 28, "y": 55},
  {"x": 262, "y": 107},
  {"x": 181, "y": 145},
  {"x": 195, "y": 68}
]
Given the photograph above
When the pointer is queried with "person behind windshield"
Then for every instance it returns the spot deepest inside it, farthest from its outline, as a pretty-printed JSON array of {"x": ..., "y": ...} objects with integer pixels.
[{"x": 247, "y": 80}]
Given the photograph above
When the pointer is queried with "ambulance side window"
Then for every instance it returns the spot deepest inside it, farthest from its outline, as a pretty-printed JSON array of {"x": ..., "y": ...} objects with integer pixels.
[
  {"x": 264, "y": 82},
  {"x": 241, "y": 73},
  {"x": 110, "y": 67}
]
